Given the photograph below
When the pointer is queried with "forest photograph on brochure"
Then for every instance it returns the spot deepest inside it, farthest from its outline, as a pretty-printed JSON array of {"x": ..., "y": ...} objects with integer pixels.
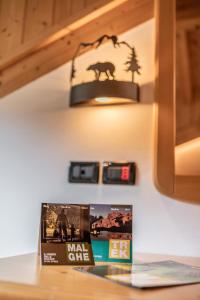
[
  {"x": 111, "y": 232},
  {"x": 65, "y": 234}
]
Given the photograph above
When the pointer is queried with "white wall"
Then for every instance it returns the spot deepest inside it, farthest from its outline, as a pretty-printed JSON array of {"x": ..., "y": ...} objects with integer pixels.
[{"x": 40, "y": 134}]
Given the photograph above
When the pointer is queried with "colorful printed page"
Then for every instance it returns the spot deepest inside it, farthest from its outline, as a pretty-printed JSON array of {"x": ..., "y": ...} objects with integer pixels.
[
  {"x": 148, "y": 275},
  {"x": 111, "y": 232},
  {"x": 65, "y": 235}
]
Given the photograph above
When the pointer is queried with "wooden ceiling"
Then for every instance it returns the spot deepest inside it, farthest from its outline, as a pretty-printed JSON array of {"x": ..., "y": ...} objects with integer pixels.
[{"x": 37, "y": 36}]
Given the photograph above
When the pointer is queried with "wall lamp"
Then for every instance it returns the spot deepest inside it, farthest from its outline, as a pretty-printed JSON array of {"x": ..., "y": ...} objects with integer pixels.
[{"x": 108, "y": 90}]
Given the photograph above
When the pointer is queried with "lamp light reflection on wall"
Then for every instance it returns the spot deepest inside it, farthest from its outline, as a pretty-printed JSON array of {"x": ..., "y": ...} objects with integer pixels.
[{"x": 110, "y": 90}]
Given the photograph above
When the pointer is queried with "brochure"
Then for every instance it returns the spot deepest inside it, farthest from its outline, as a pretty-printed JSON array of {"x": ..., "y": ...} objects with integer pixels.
[
  {"x": 65, "y": 235},
  {"x": 111, "y": 232},
  {"x": 148, "y": 275}
]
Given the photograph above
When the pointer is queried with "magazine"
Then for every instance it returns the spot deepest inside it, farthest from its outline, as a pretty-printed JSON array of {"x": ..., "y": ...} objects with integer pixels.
[
  {"x": 147, "y": 275},
  {"x": 65, "y": 235},
  {"x": 111, "y": 232}
]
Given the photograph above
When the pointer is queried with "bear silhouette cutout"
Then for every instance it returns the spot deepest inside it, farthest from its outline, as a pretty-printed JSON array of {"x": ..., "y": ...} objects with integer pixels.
[{"x": 103, "y": 67}]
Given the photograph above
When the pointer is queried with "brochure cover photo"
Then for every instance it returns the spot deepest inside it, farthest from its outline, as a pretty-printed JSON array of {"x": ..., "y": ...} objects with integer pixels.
[
  {"x": 65, "y": 235},
  {"x": 111, "y": 232}
]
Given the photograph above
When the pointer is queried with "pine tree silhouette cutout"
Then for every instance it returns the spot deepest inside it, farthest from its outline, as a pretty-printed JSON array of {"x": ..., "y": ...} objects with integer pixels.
[{"x": 132, "y": 64}]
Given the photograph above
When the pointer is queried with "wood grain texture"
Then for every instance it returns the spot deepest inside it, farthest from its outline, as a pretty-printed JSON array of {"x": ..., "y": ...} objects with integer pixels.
[
  {"x": 187, "y": 70},
  {"x": 62, "y": 10},
  {"x": 164, "y": 96},
  {"x": 188, "y": 131},
  {"x": 61, "y": 51},
  {"x": 22, "y": 277},
  {"x": 11, "y": 26},
  {"x": 184, "y": 93},
  {"x": 184, "y": 188},
  {"x": 187, "y": 188},
  {"x": 46, "y": 27},
  {"x": 77, "y": 5},
  {"x": 187, "y": 10},
  {"x": 38, "y": 18}
]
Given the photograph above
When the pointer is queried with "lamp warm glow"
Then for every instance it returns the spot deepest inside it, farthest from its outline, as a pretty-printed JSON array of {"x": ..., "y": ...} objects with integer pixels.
[
  {"x": 102, "y": 99},
  {"x": 109, "y": 100}
]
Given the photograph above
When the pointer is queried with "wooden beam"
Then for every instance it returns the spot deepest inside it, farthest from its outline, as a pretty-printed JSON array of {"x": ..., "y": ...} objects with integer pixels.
[
  {"x": 35, "y": 38},
  {"x": 164, "y": 95},
  {"x": 122, "y": 18}
]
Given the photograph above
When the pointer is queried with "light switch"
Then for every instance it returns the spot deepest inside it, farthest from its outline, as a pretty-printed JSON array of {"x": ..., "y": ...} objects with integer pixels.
[{"x": 84, "y": 172}]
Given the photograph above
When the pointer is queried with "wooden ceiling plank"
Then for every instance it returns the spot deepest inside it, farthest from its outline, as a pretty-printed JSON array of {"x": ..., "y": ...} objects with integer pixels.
[
  {"x": 38, "y": 18},
  {"x": 11, "y": 23},
  {"x": 50, "y": 35},
  {"x": 77, "y": 6},
  {"x": 62, "y": 10},
  {"x": 88, "y": 2},
  {"x": 62, "y": 50}
]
